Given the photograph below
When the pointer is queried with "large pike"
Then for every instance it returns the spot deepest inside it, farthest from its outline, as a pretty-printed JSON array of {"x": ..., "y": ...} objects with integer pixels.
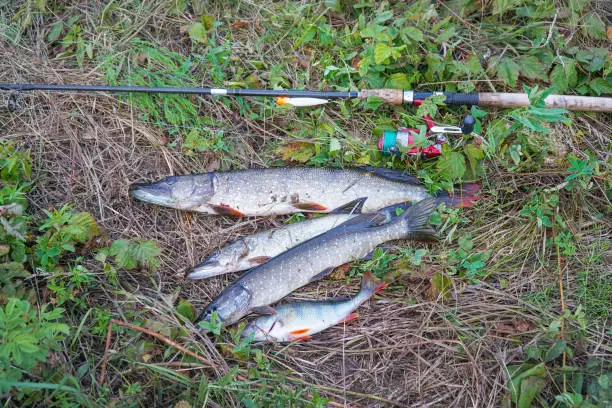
[
  {"x": 300, "y": 320},
  {"x": 289, "y": 190},
  {"x": 315, "y": 258}
]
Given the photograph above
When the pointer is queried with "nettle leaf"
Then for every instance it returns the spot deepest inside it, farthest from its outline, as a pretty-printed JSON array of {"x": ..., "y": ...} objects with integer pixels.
[
  {"x": 593, "y": 27},
  {"x": 473, "y": 65},
  {"x": 507, "y": 71},
  {"x": 601, "y": 85},
  {"x": 451, "y": 165},
  {"x": 533, "y": 68},
  {"x": 399, "y": 81},
  {"x": 382, "y": 53},
  {"x": 564, "y": 76},
  {"x": 413, "y": 33}
]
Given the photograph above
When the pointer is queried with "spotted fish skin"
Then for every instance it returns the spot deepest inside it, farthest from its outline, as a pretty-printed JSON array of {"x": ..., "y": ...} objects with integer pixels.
[
  {"x": 287, "y": 190},
  {"x": 313, "y": 259},
  {"x": 300, "y": 320}
]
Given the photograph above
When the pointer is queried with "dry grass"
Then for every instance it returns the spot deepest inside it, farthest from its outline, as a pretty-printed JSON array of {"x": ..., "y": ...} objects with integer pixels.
[{"x": 404, "y": 350}]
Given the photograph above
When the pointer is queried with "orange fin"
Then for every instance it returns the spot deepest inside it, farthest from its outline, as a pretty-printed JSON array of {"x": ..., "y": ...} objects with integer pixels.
[
  {"x": 298, "y": 332},
  {"x": 308, "y": 206},
  {"x": 259, "y": 259},
  {"x": 351, "y": 316},
  {"x": 224, "y": 209},
  {"x": 370, "y": 283}
]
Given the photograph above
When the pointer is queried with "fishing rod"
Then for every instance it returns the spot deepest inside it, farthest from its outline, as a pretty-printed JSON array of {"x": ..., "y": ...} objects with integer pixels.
[{"x": 313, "y": 98}]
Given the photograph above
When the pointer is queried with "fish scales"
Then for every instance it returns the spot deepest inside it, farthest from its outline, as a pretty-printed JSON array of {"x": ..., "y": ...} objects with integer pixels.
[{"x": 279, "y": 190}]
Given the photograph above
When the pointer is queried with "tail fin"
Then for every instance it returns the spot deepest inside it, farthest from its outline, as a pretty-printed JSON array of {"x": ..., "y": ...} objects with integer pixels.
[
  {"x": 462, "y": 197},
  {"x": 352, "y": 207},
  {"x": 370, "y": 286},
  {"x": 417, "y": 218}
]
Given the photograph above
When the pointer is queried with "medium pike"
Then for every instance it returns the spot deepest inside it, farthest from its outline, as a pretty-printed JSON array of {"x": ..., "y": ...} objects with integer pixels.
[
  {"x": 300, "y": 320},
  {"x": 277, "y": 191},
  {"x": 315, "y": 258}
]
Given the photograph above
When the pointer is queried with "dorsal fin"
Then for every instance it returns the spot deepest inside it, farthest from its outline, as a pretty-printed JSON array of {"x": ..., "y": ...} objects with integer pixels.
[
  {"x": 391, "y": 174},
  {"x": 352, "y": 207}
]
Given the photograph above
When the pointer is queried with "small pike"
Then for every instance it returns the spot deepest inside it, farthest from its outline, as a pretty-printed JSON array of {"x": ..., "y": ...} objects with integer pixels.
[
  {"x": 300, "y": 320},
  {"x": 289, "y": 190},
  {"x": 313, "y": 259},
  {"x": 250, "y": 251}
]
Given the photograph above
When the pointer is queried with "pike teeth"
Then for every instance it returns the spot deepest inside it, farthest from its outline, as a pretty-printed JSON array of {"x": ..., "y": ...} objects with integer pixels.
[{"x": 284, "y": 100}]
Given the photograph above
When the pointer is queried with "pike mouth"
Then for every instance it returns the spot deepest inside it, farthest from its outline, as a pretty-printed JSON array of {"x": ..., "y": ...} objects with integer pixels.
[
  {"x": 157, "y": 193},
  {"x": 206, "y": 269}
]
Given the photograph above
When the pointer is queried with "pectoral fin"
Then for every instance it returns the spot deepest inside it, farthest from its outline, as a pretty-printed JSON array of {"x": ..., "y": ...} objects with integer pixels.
[
  {"x": 310, "y": 206},
  {"x": 264, "y": 310},
  {"x": 298, "y": 335},
  {"x": 259, "y": 259},
  {"x": 224, "y": 209},
  {"x": 351, "y": 316},
  {"x": 321, "y": 275},
  {"x": 352, "y": 207}
]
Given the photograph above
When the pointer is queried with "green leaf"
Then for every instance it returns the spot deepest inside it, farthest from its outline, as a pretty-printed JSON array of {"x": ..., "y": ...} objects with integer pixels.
[
  {"x": 186, "y": 309},
  {"x": 555, "y": 350},
  {"x": 451, "y": 165},
  {"x": 334, "y": 145},
  {"x": 147, "y": 254},
  {"x": 130, "y": 254},
  {"x": 81, "y": 228},
  {"x": 399, "y": 81},
  {"x": 533, "y": 68},
  {"x": 558, "y": 78},
  {"x": 473, "y": 65},
  {"x": 120, "y": 250},
  {"x": 441, "y": 285},
  {"x": 55, "y": 31},
  {"x": 382, "y": 53},
  {"x": 594, "y": 27},
  {"x": 413, "y": 33},
  {"x": 475, "y": 156},
  {"x": 530, "y": 387},
  {"x": 208, "y": 20},
  {"x": 507, "y": 71},
  {"x": 601, "y": 86},
  {"x": 197, "y": 33},
  {"x": 446, "y": 35},
  {"x": 384, "y": 16}
]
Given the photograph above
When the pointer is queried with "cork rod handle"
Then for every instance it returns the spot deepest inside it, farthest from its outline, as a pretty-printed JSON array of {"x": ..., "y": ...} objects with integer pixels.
[
  {"x": 391, "y": 96},
  {"x": 569, "y": 102}
]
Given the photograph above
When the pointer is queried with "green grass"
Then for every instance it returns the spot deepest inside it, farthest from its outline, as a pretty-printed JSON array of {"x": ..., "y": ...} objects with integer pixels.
[{"x": 546, "y": 188}]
